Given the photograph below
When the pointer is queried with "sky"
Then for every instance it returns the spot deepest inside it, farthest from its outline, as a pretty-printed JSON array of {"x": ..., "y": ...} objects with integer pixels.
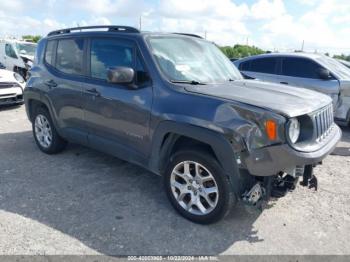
[{"x": 276, "y": 25}]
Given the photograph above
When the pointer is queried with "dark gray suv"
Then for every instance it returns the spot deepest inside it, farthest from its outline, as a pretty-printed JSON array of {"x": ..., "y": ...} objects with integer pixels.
[{"x": 175, "y": 105}]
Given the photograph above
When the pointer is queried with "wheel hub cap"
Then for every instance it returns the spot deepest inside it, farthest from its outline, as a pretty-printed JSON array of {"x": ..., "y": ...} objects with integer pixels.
[
  {"x": 194, "y": 188},
  {"x": 43, "y": 131}
]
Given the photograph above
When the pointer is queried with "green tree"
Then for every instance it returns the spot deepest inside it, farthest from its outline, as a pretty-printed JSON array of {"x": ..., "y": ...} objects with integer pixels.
[
  {"x": 343, "y": 57},
  {"x": 33, "y": 38},
  {"x": 240, "y": 51}
]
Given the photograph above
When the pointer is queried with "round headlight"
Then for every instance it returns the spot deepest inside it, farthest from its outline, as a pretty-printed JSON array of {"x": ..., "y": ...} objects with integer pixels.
[
  {"x": 293, "y": 130},
  {"x": 19, "y": 78}
]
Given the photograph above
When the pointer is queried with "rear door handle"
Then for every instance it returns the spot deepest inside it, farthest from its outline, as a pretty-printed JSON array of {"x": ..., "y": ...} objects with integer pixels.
[
  {"x": 93, "y": 91},
  {"x": 284, "y": 83},
  {"x": 51, "y": 83}
]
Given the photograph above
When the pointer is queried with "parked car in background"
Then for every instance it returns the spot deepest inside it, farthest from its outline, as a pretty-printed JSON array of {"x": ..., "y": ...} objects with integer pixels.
[
  {"x": 175, "y": 105},
  {"x": 11, "y": 88},
  {"x": 17, "y": 55},
  {"x": 313, "y": 71},
  {"x": 346, "y": 63}
]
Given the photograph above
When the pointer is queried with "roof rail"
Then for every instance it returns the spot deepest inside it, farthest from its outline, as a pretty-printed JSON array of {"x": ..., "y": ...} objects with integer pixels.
[
  {"x": 193, "y": 35},
  {"x": 111, "y": 28}
]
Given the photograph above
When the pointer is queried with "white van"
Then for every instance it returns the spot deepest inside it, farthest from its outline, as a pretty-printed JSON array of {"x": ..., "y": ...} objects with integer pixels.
[{"x": 17, "y": 55}]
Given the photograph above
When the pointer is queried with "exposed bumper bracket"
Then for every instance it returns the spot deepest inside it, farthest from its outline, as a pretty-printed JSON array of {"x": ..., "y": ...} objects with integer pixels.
[{"x": 309, "y": 179}]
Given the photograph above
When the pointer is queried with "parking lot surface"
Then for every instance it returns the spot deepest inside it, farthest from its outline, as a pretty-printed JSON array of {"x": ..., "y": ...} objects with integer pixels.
[{"x": 85, "y": 202}]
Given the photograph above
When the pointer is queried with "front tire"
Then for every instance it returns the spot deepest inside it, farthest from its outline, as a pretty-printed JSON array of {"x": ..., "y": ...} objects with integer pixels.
[
  {"x": 197, "y": 186},
  {"x": 45, "y": 134}
]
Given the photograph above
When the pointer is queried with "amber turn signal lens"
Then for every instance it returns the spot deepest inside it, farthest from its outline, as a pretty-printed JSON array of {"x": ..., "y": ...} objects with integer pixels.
[{"x": 271, "y": 129}]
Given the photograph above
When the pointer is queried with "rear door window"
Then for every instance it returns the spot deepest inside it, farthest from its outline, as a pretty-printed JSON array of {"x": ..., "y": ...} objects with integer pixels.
[
  {"x": 108, "y": 53},
  {"x": 69, "y": 57},
  {"x": 263, "y": 65},
  {"x": 300, "y": 67}
]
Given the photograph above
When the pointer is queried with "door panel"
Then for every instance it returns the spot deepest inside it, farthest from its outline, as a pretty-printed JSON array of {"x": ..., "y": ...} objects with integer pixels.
[
  {"x": 119, "y": 115},
  {"x": 63, "y": 86}
]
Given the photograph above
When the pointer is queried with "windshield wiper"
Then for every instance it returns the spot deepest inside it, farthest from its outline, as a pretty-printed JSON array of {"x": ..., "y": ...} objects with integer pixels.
[{"x": 191, "y": 82}]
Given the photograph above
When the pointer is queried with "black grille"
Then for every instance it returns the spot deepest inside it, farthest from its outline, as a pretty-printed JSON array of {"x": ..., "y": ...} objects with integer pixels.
[
  {"x": 8, "y": 84},
  {"x": 323, "y": 121}
]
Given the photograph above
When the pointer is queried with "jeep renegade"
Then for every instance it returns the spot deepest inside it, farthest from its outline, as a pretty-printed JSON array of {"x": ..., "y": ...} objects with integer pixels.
[{"x": 175, "y": 105}]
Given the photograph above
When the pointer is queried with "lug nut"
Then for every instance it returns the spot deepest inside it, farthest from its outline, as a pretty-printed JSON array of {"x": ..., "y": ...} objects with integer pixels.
[
  {"x": 190, "y": 180},
  {"x": 189, "y": 187},
  {"x": 195, "y": 193}
]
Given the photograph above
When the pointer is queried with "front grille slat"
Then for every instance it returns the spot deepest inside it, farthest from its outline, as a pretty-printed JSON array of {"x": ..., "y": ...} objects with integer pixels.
[
  {"x": 8, "y": 84},
  {"x": 328, "y": 118},
  {"x": 322, "y": 123},
  {"x": 323, "y": 120}
]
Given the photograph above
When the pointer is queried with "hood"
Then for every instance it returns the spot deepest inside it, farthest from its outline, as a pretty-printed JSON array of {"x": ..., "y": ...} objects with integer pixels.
[
  {"x": 28, "y": 57},
  {"x": 6, "y": 76},
  {"x": 286, "y": 100}
]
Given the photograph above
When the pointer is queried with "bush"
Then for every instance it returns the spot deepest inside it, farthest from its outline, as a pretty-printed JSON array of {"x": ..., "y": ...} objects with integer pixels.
[{"x": 240, "y": 51}]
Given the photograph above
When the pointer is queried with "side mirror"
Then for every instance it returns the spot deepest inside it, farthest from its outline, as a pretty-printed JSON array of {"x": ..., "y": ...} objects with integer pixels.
[
  {"x": 120, "y": 75},
  {"x": 23, "y": 52},
  {"x": 324, "y": 74}
]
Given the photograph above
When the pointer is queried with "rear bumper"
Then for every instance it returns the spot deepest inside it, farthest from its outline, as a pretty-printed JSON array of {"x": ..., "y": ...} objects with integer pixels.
[{"x": 271, "y": 160}]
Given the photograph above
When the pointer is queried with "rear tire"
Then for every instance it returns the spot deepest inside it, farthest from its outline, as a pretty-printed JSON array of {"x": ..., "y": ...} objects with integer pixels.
[
  {"x": 45, "y": 134},
  {"x": 205, "y": 198}
]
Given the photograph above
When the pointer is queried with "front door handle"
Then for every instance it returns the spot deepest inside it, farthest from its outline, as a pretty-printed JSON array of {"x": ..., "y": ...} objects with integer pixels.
[
  {"x": 284, "y": 83},
  {"x": 51, "y": 83},
  {"x": 93, "y": 91}
]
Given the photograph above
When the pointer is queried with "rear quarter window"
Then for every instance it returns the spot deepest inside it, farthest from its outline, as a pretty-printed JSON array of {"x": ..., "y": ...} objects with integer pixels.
[{"x": 49, "y": 52}]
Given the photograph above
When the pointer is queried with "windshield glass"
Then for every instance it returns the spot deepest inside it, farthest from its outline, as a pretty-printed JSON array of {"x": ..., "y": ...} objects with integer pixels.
[
  {"x": 26, "y": 48},
  {"x": 183, "y": 58},
  {"x": 335, "y": 67}
]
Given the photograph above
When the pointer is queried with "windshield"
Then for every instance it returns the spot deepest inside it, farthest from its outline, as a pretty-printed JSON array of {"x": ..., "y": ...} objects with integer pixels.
[
  {"x": 183, "y": 58},
  {"x": 26, "y": 48},
  {"x": 335, "y": 67}
]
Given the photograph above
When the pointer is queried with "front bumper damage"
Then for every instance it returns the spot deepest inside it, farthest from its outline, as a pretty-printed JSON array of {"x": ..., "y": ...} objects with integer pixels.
[
  {"x": 274, "y": 171},
  {"x": 270, "y": 160},
  {"x": 12, "y": 95},
  {"x": 278, "y": 186}
]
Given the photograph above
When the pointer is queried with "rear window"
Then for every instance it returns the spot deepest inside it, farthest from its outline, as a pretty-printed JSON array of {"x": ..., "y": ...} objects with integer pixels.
[
  {"x": 49, "y": 52},
  {"x": 300, "y": 67},
  {"x": 69, "y": 57},
  {"x": 263, "y": 65}
]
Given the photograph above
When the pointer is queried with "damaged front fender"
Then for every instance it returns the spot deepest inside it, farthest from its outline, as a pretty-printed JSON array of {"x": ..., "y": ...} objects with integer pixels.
[{"x": 245, "y": 126}]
